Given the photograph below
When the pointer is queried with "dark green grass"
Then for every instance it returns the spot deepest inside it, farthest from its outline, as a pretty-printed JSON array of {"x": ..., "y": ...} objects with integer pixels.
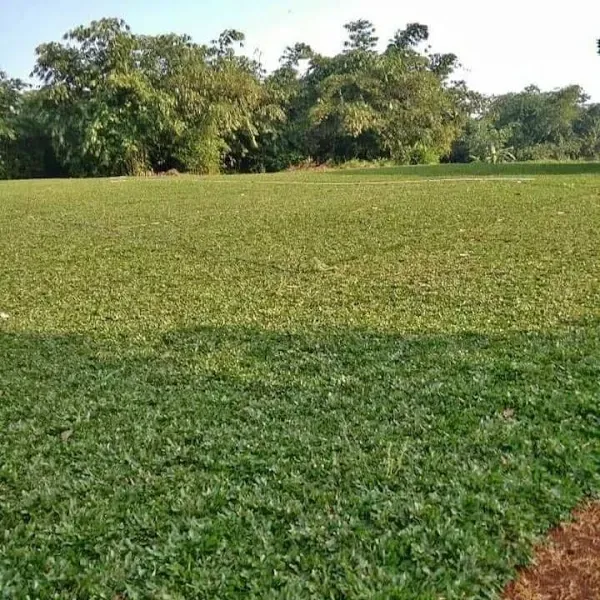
[
  {"x": 254, "y": 387},
  {"x": 484, "y": 169}
]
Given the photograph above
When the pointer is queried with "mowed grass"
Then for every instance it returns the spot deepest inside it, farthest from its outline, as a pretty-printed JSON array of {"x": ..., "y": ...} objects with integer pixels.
[{"x": 329, "y": 385}]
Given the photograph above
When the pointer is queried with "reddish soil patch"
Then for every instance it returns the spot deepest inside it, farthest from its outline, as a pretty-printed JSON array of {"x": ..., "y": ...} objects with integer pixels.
[
  {"x": 567, "y": 567},
  {"x": 309, "y": 166}
]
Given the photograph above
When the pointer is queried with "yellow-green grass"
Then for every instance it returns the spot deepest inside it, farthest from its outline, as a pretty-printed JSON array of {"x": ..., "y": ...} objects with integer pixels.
[{"x": 327, "y": 385}]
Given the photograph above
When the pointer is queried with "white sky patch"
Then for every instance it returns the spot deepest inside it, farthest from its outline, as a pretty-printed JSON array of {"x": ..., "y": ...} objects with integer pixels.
[{"x": 504, "y": 46}]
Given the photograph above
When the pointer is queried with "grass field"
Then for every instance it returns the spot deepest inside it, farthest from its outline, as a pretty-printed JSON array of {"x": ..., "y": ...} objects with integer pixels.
[{"x": 328, "y": 385}]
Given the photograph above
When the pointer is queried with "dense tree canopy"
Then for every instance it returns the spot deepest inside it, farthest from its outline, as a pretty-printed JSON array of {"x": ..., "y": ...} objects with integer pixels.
[
  {"x": 111, "y": 102},
  {"x": 533, "y": 125},
  {"x": 10, "y": 105},
  {"x": 118, "y": 103}
]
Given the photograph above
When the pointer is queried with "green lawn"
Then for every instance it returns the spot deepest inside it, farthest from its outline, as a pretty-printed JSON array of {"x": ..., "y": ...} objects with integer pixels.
[{"x": 337, "y": 385}]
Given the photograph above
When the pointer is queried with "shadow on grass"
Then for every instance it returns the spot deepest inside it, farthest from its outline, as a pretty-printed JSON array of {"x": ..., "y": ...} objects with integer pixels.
[
  {"x": 222, "y": 462},
  {"x": 481, "y": 170}
]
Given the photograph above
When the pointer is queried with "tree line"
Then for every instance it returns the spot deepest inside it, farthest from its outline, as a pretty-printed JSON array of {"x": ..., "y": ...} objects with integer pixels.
[{"x": 111, "y": 102}]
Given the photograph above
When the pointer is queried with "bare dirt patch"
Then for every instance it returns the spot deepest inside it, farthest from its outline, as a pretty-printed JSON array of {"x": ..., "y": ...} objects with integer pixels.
[{"x": 567, "y": 567}]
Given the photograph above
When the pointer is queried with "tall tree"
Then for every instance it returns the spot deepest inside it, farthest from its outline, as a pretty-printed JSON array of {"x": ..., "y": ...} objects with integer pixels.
[
  {"x": 98, "y": 105},
  {"x": 587, "y": 129},
  {"x": 10, "y": 102},
  {"x": 361, "y": 35},
  {"x": 409, "y": 37},
  {"x": 391, "y": 105},
  {"x": 542, "y": 123},
  {"x": 121, "y": 103}
]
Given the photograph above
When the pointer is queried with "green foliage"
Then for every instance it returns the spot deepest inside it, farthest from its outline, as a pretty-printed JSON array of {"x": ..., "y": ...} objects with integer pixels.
[
  {"x": 293, "y": 55},
  {"x": 407, "y": 39},
  {"x": 540, "y": 119},
  {"x": 116, "y": 103},
  {"x": 30, "y": 152},
  {"x": 111, "y": 102},
  {"x": 361, "y": 36},
  {"x": 10, "y": 101},
  {"x": 486, "y": 143},
  {"x": 392, "y": 105},
  {"x": 9, "y": 104},
  {"x": 532, "y": 125},
  {"x": 122, "y": 104},
  {"x": 331, "y": 385},
  {"x": 99, "y": 105},
  {"x": 587, "y": 129}
]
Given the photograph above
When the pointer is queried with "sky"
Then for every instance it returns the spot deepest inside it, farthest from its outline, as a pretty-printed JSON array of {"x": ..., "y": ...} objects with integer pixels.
[{"x": 504, "y": 46}]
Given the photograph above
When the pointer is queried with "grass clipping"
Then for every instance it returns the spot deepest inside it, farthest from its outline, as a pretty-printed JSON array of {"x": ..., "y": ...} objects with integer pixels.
[{"x": 568, "y": 566}]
